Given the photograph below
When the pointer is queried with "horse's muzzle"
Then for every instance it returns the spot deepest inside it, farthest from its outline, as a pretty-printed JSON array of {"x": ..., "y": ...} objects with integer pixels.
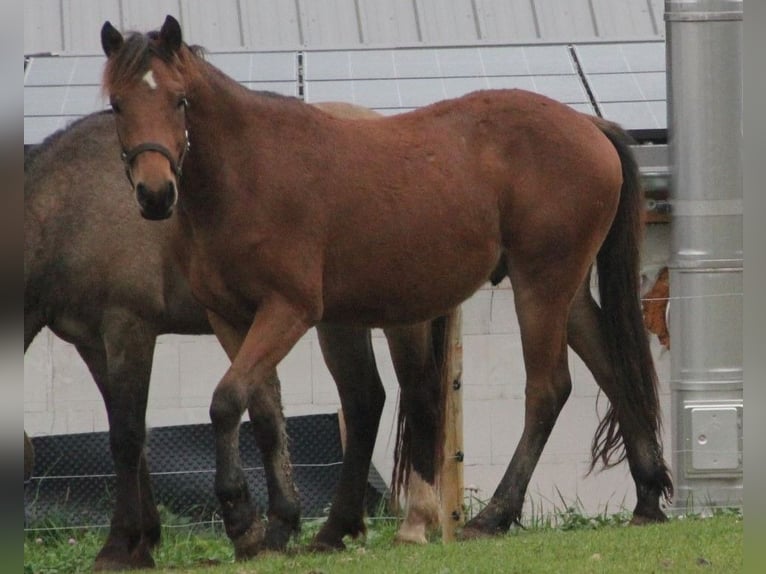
[{"x": 156, "y": 205}]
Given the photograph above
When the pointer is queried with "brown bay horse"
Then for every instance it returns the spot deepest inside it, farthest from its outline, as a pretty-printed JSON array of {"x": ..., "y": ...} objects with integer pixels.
[
  {"x": 106, "y": 280},
  {"x": 292, "y": 217}
]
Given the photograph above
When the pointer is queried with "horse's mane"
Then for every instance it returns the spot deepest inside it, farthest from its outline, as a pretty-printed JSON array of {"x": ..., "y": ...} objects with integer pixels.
[{"x": 132, "y": 59}]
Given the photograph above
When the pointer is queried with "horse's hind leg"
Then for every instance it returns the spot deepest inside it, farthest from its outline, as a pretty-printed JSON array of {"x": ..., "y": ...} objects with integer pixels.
[
  {"x": 122, "y": 369},
  {"x": 349, "y": 357},
  {"x": 641, "y": 445},
  {"x": 419, "y": 375},
  {"x": 542, "y": 307}
]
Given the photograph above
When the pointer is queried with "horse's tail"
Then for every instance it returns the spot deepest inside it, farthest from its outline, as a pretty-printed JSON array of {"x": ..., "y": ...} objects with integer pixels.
[
  {"x": 618, "y": 264},
  {"x": 404, "y": 450}
]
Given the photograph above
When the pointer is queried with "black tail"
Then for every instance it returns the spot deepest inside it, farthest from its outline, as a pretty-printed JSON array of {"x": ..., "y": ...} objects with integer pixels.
[
  {"x": 404, "y": 451},
  {"x": 618, "y": 264}
]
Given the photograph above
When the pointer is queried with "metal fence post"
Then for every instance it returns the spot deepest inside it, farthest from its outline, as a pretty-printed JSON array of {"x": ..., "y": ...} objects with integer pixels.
[{"x": 704, "y": 71}]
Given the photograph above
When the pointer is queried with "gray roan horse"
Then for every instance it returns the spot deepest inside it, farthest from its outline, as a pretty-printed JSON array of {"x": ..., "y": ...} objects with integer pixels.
[
  {"x": 293, "y": 217},
  {"x": 104, "y": 279}
]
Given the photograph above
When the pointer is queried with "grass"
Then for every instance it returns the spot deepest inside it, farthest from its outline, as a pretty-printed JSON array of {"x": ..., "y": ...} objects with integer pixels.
[{"x": 571, "y": 542}]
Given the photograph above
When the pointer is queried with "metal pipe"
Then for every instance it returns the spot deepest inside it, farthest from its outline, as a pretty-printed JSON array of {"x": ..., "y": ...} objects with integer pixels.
[{"x": 704, "y": 75}]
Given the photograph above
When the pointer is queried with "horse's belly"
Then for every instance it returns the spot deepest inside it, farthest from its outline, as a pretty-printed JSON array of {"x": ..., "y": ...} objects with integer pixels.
[{"x": 390, "y": 294}]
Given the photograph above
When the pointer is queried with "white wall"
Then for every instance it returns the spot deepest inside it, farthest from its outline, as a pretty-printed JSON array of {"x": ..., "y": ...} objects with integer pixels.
[{"x": 60, "y": 397}]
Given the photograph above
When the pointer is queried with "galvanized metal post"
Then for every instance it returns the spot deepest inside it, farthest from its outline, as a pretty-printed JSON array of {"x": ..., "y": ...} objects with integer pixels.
[{"x": 704, "y": 66}]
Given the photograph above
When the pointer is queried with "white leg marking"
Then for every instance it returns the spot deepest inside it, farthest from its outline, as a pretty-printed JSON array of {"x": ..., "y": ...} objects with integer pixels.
[{"x": 422, "y": 512}]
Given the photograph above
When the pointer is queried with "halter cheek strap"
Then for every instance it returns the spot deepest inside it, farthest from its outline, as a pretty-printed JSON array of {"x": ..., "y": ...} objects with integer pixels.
[{"x": 128, "y": 156}]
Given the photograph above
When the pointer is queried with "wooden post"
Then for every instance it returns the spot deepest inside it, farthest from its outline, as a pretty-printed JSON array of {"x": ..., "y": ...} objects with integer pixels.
[{"x": 452, "y": 470}]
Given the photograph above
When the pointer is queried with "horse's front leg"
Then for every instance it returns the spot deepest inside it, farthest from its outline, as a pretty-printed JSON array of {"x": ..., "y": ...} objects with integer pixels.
[
  {"x": 121, "y": 367},
  {"x": 249, "y": 383},
  {"x": 270, "y": 431}
]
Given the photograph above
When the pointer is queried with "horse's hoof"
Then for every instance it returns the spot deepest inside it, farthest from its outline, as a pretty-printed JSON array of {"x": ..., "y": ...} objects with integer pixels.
[
  {"x": 655, "y": 517},
  {"x": 278, "y": 534},
  {"x": 473, "y": 533},
  {"x": 325, "y": 545},
  {"x": 113, "y": 559},
  {"x": 411, "y": 535},
  {"x": 251, "y": 542}
]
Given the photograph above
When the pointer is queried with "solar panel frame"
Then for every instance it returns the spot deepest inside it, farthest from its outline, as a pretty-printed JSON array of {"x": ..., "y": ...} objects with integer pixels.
[{"x": 625, "y": 80}]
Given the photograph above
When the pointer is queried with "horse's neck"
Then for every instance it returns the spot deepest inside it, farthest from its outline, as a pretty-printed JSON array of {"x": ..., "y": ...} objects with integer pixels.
[{"x": 225, "y": 102}]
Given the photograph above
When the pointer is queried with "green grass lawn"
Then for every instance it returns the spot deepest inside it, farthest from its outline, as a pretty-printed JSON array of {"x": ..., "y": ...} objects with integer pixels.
[{"x": 579, "y": 544}]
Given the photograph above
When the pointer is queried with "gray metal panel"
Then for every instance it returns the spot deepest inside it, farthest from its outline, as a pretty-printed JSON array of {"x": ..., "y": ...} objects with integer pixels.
[
  {"x": 270, "y": 24},
  {"x": 507, "y": 20},
  {"x": 211, "y": 23},
  {"x": 72, "y": 25},
  {"x": 657, "y": 10},
  {"x": 573, "y": 19},
  {"x": 143, "y": 15},
  {"x": 329, "y": 22},
  {"x": 447, "y": 22},
  {"x": 82, "y": 21},
  {"x": 42, "y": 27},
  {"x": 715, "y": 437},
  {"x": 627, "y": 19},
  {"x": 389, "y": 23}
]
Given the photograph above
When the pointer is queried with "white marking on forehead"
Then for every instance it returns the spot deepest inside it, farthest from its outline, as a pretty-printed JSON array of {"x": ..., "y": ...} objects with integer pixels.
[{"x": 149, "y": 79}]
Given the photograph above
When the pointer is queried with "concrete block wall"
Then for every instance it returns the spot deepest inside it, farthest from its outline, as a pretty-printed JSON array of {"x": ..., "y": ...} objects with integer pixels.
[{"x": 60, "y": 397}]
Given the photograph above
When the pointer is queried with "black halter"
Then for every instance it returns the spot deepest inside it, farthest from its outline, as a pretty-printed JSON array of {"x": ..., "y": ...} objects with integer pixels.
[{"x": 128, "y": 156}]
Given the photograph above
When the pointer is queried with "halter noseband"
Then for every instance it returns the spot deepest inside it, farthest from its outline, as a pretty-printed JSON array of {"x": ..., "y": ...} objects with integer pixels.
[{"x": 128, "y": 156}]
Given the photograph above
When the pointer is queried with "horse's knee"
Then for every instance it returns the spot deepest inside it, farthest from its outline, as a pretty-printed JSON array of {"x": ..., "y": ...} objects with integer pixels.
[{"x": 226, "y": 407}]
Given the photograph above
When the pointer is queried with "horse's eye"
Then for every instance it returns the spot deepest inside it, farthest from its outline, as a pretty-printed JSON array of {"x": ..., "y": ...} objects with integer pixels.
[
  {"x": 115, "y": 107},
  {"x": 183, "y": 102}
]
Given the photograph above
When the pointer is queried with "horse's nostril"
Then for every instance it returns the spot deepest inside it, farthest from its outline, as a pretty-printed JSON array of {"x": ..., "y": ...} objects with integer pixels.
[
  {"x": 170, "y": 195},
  {"x": 142, "y": 195},
  {"x": 156, "y": 204}
]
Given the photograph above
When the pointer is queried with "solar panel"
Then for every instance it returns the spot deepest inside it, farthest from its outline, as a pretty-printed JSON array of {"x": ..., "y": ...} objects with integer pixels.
[
  {"x": 65, "y": 71},
  {"x": 59, "y": 89},
  {"x": 257, "y": 66},
  {"x": 393, "y": 81},
  {"x": 628, "y": 82},
  {"x": 616, "y": 58}
]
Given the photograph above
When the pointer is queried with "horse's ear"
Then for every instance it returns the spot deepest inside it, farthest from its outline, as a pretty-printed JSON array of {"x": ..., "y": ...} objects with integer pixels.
[
  {"x": 170, "y": 34},
  {"x": 111, "y": 39}
]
